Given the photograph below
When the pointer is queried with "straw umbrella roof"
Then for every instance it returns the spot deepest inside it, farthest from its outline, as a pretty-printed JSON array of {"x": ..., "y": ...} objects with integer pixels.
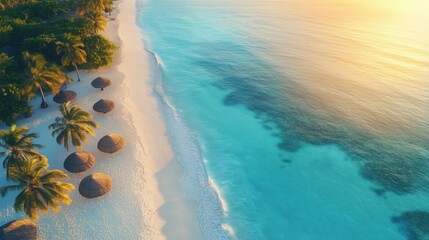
[
  {"x": 23, "y": 229},
  {"x": 79, "y": 161},
  {"x": 103, "y": 106},
  {"x": 101, "y": 82},
  {"x": 64, "y": 96},
  {"x": 111, "y": 143},
  {"x": 95, "y": 185}
]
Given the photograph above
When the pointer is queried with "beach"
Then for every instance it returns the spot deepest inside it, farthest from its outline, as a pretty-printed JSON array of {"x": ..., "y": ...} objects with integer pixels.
[
  {"x": 249, "y": 120},
  {"x": 146, "y": 178}
]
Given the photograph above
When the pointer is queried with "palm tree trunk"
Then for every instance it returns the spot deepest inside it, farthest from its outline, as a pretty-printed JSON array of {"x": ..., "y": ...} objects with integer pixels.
[
  {"x": 77, "y": 71},
  {"x": 44, "y": 104}
]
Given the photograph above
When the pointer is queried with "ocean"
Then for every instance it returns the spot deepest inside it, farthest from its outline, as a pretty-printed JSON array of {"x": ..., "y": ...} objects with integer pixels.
[{"x": 297, "y": 119}]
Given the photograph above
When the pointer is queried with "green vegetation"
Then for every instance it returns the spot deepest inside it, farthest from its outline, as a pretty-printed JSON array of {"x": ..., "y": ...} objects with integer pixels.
[
  {"x": 97, "y": 20},
  {"x": 52, "y": 33},
  {"x": 34, "y": 10},
  {"x": 86, "y": 6},
  {"x": 12, "y": 103},
  {"x": 36, "y": 37},
  {"x": 18, "y": 146},
  {"x": 44, "y": 44},
  {"x": 74, "y": 125},
  {"x": 99, "y": 52},
  {"x": 71, "y": 52},
  {"x": 9, "y": 70},
  {"x": 40, "y": 188},
  {"x": 28, "y": 169},
  {"x": 40, "y": 75}
]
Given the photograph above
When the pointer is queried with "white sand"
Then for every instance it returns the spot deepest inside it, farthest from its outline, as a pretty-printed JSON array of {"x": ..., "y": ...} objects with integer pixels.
[{"x": 145, "y": 176}]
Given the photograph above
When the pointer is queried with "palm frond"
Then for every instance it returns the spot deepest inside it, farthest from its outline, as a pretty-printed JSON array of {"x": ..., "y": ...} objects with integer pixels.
[{"x": 4, "y": 190}]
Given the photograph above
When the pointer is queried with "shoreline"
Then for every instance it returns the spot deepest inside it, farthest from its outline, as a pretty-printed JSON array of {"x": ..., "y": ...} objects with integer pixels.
[
  {"x": 146, "y": 176},
  {"x": 200, "y": 193},
  {"x": 195, "y": 206},
  {"x": 176, "y": 215}
]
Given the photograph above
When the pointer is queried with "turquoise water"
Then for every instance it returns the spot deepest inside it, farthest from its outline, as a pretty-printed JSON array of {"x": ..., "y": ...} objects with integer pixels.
[{"x": 296, "y": 120}]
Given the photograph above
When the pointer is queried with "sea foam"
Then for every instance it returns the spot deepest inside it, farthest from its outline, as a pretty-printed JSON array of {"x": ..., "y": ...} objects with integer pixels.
[{"x": 195, "y": 182}]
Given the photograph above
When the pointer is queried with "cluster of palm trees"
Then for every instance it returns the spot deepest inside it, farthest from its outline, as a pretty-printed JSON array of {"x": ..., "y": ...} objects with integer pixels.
[
  {"x": 83, "y": 6},
  {"x": 40, "y": 188},
  {"x": 10, "y": 3},
  {"x": 41, "y": 75},
  {"x": 86, "y": 6},
  {"x": 97, "y": 20},
  {"x": 91, "y": 10}
]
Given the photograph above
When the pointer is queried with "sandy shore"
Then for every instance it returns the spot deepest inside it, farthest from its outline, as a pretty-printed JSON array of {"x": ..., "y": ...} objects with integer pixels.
[
  {"x": 146, "y": 201},
  {"x": 178, "y": 218}
]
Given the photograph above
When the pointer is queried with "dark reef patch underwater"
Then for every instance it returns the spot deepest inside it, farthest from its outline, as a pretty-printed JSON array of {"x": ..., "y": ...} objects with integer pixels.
[
  {"x": 317, "y": 113},
  {"x": 415, "y": 224},
  {"x": 396, "y": 162}
]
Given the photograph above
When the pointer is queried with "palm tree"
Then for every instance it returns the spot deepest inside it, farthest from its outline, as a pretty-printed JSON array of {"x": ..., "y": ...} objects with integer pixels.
[
  {"x": 73, "y": 125},
  {"x": 98, "y": 21},
  {"x": 86, "y": 6},
  {"x": 100, "y": 5},
  {"x": 109, "y": 10},
  {"x": 40, "y": 75},
  {"x": 83, "y": 6},
  {"x": 71, "y": 52},
  {"x": 18, "y": 147},
  {"x": 40, "y": 188}
]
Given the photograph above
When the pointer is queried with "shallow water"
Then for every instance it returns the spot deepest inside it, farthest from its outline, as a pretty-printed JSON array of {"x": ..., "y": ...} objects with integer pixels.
[{"x": 310, "y": 118}]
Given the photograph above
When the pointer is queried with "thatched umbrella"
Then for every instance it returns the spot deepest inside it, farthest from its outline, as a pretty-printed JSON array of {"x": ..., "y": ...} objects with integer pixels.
[
  {"x": 101, "y": 82},
  {"x": 64, "y": 96},
  {"x": 79, "y": 161},
  {"x": 103, "y": 106},
  {"x": 95, "y": 185},
  {"x": 111, "y": 143},
  {"x": 19, "y": 229}
]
